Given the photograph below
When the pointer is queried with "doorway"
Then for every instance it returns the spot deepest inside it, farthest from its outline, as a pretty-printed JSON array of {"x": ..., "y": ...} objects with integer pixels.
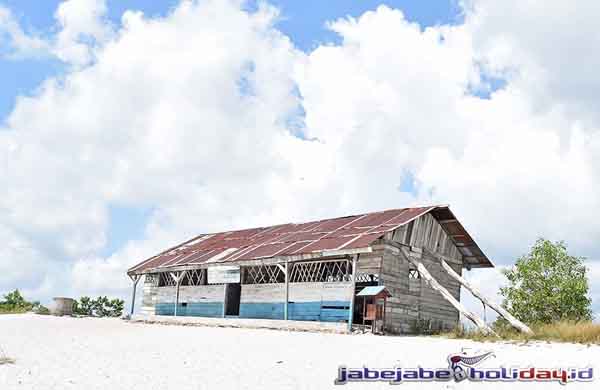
[
  {"x": 232, "y": 299},
  {"x": 357, "y": 316}
]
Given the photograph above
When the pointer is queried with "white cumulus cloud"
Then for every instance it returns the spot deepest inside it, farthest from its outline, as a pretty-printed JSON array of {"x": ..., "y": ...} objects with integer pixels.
[{"x": 213, "y": 119}]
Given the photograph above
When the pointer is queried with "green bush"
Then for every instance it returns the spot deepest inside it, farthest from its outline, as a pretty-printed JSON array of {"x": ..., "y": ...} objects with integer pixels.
[
  {"x": 40, "y": 309},
  {"x": 14, "y": 303},
  {"x": 116, "y": 307},
  {"x": 84, "y": 307},
  {"x": 99, "y": 307},
  {"x": 15, "y": 299}
]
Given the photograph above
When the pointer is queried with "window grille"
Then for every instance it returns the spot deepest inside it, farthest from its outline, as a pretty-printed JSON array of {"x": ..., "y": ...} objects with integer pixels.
[
  {"x": 414, "y": 282},
  {"x": 366, "y": 278},
  {"x": 165, "y": 279},
  {"x": 321, "y": 271},
  {"x": 194, "y": 277},
  {"x": 263, "y": 274}
]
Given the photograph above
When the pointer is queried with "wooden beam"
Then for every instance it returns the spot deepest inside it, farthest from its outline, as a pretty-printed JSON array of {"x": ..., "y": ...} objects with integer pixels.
[
  {"x": 448, "y": 259},
  {"x": 497, "y": 308},
  {"x": 264, "y": 261},
  {"x": 416, "y": 249},
  {"x": 442, "y": 221},
  {"x": 434, "y": 284}
]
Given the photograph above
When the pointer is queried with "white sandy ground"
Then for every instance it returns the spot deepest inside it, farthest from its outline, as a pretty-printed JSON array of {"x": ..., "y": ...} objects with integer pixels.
[{"x": 89, "y": 353}]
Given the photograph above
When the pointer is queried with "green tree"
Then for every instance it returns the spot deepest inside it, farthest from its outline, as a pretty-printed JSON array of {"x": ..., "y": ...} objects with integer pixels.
[
  {"x": 547, "y": 285},
  {"x": 16, "y": 300}
]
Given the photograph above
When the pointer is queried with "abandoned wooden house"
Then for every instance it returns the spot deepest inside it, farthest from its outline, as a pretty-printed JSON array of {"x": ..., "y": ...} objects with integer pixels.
[{"x": 313, "y": 271}]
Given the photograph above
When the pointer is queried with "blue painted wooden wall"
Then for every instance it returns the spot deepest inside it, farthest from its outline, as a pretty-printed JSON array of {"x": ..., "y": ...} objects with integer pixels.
[
  {"x": 204, "y": 309},
  {"x": 299, "y": 311}
]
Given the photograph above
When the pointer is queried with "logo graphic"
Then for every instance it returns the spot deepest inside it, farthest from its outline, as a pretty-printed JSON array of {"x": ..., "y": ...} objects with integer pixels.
[
  {"x": 457, "y": 362},
  {"x": 465, "y": 366}
]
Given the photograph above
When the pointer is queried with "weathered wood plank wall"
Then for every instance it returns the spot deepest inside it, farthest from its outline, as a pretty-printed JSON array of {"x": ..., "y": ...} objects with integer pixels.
[
  {"x": 370, "y": 263},
  {"x": 415, "y": 307},
  {"x": 149, "y": 291},
  {"x": 426, "y": 232}
]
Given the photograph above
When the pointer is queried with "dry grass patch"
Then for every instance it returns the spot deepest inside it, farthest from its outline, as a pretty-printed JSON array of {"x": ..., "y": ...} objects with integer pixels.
[
  {"x": 6, "y": 360},
  {"x": 568, "y": 332},
  {"x": 12, "y": 310}
]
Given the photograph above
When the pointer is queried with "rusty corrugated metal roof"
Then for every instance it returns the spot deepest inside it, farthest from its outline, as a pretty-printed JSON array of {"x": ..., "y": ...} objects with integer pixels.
[{"x": 339, "y": 234}]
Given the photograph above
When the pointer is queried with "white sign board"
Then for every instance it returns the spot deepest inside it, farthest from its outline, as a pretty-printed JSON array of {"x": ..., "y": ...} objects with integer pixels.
[{"x": 224, "y": 274}]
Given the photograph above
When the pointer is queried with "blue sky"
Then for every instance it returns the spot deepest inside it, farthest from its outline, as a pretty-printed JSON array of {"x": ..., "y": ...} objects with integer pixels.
[{"x": 303, "y": 21}]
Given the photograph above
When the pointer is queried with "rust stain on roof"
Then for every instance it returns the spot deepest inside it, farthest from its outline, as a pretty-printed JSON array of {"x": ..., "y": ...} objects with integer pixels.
[{"x": 344, "y": 233}]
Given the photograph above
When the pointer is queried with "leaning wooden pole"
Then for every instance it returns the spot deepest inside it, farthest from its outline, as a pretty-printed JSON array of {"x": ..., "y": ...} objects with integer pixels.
[
  {"x": 499, "y": 309},
  {"x": 434, "y": 284}
]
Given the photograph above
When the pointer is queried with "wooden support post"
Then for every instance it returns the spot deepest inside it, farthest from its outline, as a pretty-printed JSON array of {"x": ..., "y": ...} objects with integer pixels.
[
  {"x": 284, "y": 269},
  {"x": 383, "y": 325},
  {"x": 486, "y": 302},
  {"x": 374, "y": 320},
  {"x": 287, "y": 290},
  {"x": 177, "y": 298},
  {"x": 225, "y": 288},
  {"x": 178, "y": 276},
  {"x": 351, "y": 314},
  {"x": 434, "y": 284},
  {"x": 135, "y": 279},
  {"x": 364, "y": 314}
]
